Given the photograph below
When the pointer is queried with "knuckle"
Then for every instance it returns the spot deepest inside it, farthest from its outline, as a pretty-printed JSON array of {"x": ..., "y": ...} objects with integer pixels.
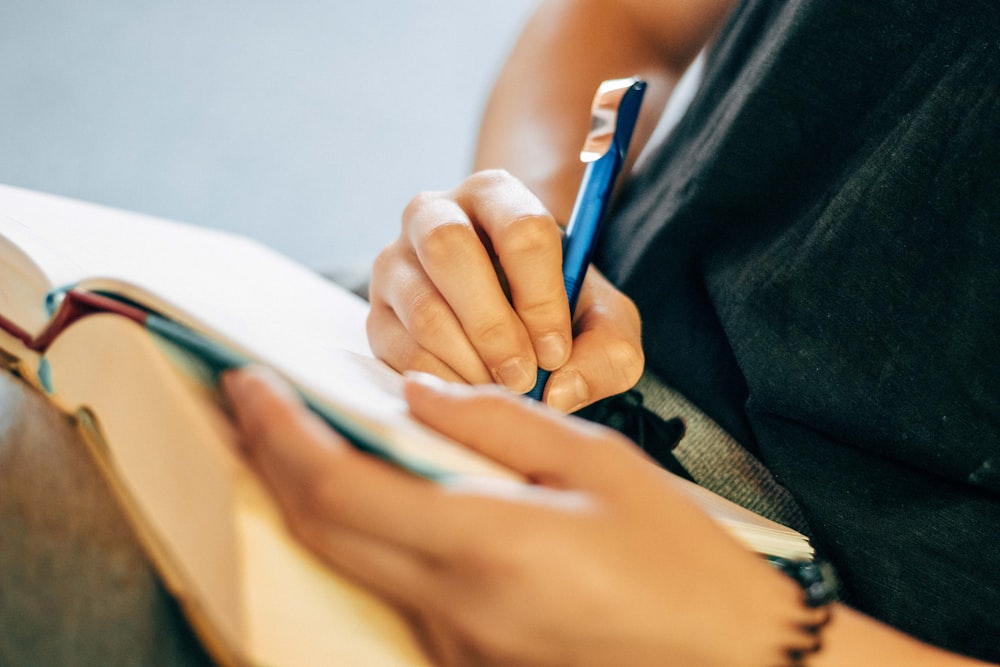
[
  {"x": 624, "y": 358},
  {"x": 446, "y": 242},
  {"x": 418, "y": 204},
  {"x": 486, "y": 179},
  {"x": 491, "y": 333},
  {"x": 399, "y": 350},
  {"x": 386, "y": 258},
  {"x": 625, "y": 362},
  {"x": 383, "y": 268},
  {"x": 630, "y": 360},
  {"x": 546, "y": 309},
  {"x": 529, "y": 235},
  {"x": 427, "y": 316}
]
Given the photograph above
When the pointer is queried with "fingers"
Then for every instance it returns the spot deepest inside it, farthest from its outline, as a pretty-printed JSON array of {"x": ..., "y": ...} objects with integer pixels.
[
  {"x": 607, "y": 355},
  {"x": 514, "y": 431},
  {"x": 473, "y": 291},
  {"x": 323, "y": 484},
  {"x": 424, "y": 345},
  {"x": 397, "y": 574},
  {"x": 474, "y": 282},
  {"x": 528, "y": 244},
  {"x": 459, "y": 266}
]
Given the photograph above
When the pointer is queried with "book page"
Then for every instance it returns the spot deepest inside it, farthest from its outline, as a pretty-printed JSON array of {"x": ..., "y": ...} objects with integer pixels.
[
  {"x": 210, "y": 280},
  {"x": 241, "y": 294},
  {"x": 29, "y": 268},
  {"x": 757, "y": 532},
  {"x": 248, "y": 586}
]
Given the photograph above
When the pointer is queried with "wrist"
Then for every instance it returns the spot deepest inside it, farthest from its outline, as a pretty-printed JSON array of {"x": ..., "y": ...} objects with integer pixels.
[
  {"x": 770, "y": 623},
  {"x": 819, "y": 591}
]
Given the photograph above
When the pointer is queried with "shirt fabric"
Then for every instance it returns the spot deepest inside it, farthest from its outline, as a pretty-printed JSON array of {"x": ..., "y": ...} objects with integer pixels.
[{"x": 815, "y": 255}]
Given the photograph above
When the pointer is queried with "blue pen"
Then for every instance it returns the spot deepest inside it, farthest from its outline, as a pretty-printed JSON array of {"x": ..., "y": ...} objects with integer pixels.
[{"x": 613, "y": 115}]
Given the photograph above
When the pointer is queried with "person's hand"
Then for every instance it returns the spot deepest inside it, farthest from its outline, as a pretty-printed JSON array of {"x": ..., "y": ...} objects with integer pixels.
[
  {"x": 472, "y": 291},
  {"x": 599, "y": 560}
]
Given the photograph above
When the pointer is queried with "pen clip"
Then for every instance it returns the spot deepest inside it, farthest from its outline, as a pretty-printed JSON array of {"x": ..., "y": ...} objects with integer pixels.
[{"x": 612, "y": 117}]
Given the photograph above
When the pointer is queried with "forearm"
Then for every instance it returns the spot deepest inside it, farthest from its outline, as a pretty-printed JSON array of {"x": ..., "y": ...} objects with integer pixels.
[
  {"x": 855, "y": 639},
  {"x": 539, "y": 110}
]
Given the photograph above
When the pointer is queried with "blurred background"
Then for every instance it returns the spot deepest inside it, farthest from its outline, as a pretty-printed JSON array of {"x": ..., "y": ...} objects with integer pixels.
[{"x": 306, "y": 124}]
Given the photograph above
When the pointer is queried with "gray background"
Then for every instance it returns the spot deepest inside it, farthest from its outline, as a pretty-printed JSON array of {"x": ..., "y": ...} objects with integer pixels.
[{"x": 305, "y": 124}]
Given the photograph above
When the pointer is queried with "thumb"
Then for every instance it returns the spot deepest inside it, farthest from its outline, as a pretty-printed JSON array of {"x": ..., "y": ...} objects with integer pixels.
[
  {"x": 519, "y": 433},
  {"x": 607, "y": 356}
]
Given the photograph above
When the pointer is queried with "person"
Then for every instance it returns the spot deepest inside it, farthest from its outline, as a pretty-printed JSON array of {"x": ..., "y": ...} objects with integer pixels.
[{"x": 810, "y": 257}]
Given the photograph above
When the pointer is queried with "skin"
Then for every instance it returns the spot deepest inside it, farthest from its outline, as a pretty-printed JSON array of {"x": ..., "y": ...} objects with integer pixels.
[
  {"x": 565, "y": 570},
  {"x": 439, "y": 307},
  {"x": 440, "y": 292},
  {"x": 597, "y": 560}
]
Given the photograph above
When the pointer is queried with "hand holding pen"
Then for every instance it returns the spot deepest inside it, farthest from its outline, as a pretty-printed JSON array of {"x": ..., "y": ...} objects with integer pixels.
[
  {"x": 613, "y": 117},
  {"x": 473, "y": 291}
]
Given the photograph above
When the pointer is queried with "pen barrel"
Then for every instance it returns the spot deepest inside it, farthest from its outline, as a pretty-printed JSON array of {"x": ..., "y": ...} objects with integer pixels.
[
  {"x": 585, "y": 221},
  {"x": 581, "y": 236},
  {"x": 539, "y": 389},
  {"x": 591, "y": 204}
]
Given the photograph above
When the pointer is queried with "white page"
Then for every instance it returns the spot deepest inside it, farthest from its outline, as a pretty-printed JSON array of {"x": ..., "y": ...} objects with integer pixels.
[
  {"x": 216, "y": 279},
  {"x": 236, "y": 291}
]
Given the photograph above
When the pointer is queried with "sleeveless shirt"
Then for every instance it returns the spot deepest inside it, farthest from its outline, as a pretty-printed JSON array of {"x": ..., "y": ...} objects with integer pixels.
[{"x": 815, "y": 254}]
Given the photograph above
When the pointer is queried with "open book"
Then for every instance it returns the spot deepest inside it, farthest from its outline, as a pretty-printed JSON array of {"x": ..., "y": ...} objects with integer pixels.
[{"x": 81, "y": 284}]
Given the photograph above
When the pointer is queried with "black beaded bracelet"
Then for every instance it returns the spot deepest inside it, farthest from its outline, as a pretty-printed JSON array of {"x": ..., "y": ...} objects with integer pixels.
[{"x": 819, "y": 587}]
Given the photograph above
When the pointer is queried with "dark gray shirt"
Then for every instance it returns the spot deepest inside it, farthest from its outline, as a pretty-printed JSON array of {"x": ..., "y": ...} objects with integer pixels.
[{"x": 816, "y": 257}]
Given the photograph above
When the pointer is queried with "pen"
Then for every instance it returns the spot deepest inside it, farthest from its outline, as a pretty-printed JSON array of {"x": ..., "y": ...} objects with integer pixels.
[{"x": 613, "y": 115}]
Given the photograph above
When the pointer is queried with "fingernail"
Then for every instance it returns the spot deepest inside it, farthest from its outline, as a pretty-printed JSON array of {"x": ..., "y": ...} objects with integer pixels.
[
  {"x": 567, "y": 391},
  {"x": 516, "y": 374},
  {"x": 551, "y": 350}
]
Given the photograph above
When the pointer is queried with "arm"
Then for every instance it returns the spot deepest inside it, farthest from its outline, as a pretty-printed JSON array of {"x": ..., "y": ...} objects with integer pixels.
[
  {"x": 472, "y": 289},
  {"x": 601, "y": 561},
  {"x": 538, "y": 112}
]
